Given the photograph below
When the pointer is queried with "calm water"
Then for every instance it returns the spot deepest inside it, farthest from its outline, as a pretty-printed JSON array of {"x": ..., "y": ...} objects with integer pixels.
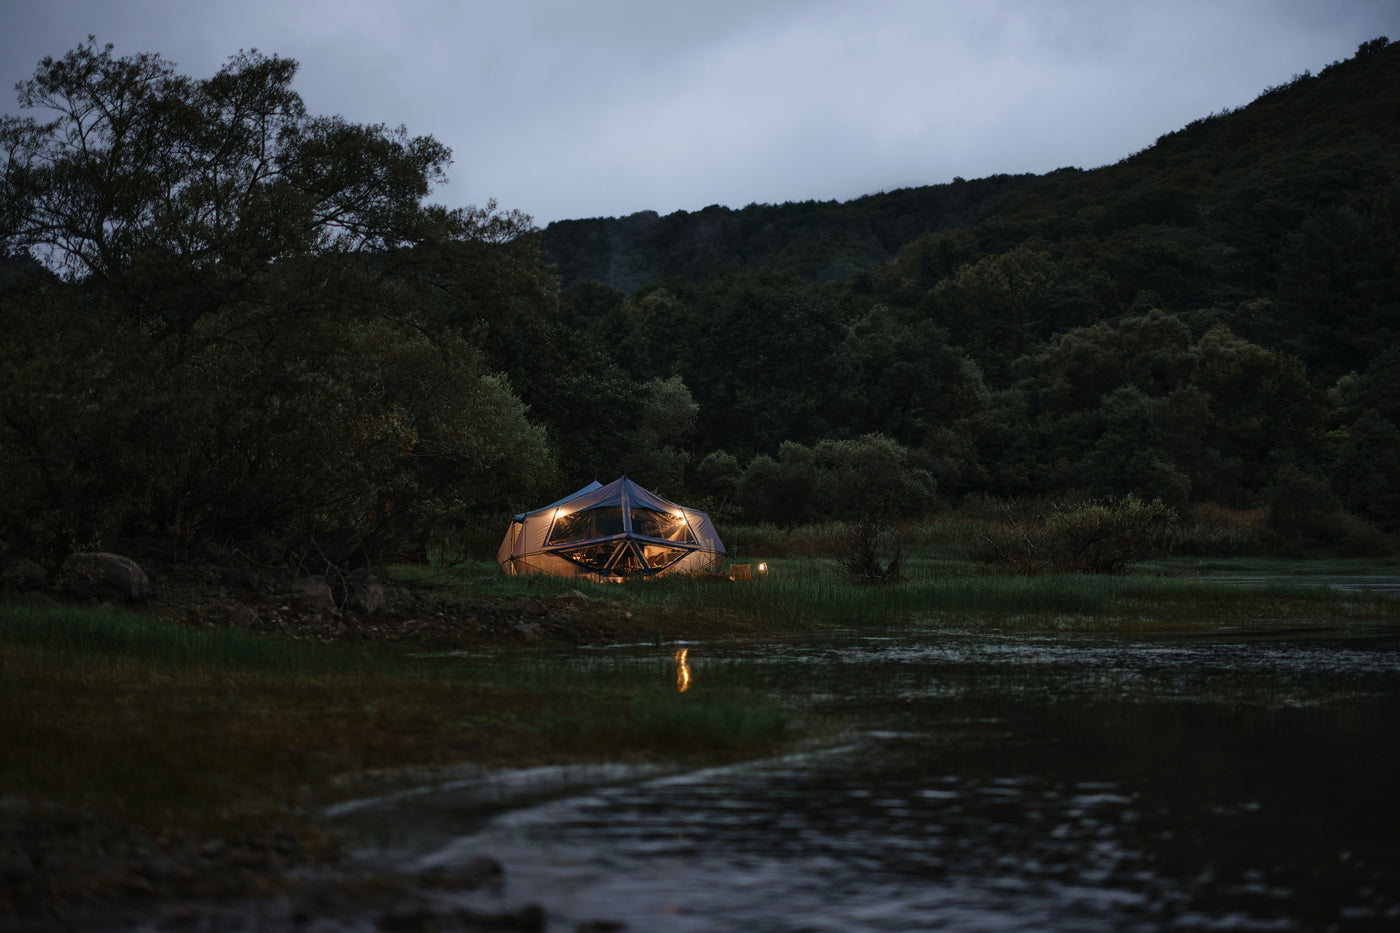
[{"x": 993, "y": 783}]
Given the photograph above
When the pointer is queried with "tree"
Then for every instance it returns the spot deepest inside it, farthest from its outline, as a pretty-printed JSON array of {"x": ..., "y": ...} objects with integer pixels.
[
  {"x": 782, "y": 490},
  {"x": 1264, "y": 409},
  {"x": 658, "y": 453},
  {"x": 908, "y": 381},
  {"x": 271, "y": 330},
  {"x": 186, "y": 199},
  {"x": 871, "y": 476},
  {"x": 1364, "y": 473}
]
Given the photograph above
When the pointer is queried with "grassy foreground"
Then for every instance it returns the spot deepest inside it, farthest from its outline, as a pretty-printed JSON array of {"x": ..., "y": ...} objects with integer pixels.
[{"x": 142, "y": 719}]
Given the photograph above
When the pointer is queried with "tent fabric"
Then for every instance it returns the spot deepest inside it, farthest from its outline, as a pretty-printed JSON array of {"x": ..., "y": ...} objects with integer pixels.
[{"x": 606, "y": 532}]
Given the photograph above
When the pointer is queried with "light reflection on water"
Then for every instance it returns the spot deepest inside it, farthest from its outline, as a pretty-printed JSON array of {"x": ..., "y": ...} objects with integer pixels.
[{"x": 994, "y": 783}]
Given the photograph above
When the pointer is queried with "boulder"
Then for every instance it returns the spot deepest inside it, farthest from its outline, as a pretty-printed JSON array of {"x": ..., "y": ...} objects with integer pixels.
[
  {"x": 531, "y": 630},
  {"x": 312, "y": 594},
  {"x": 364, "y": 592},
  {"x": 236, "y": 578},
  {"x": 241, "y": 615},
  {"x": 103, "y": 576},
  {"x": 24, "y": 575}
]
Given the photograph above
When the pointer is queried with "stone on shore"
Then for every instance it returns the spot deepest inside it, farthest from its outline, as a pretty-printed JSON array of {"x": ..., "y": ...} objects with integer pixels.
[
  {"x": 103, "y": 576},
  {"x": 23, "y": 576},
  {"x": 312, "y": 594}
]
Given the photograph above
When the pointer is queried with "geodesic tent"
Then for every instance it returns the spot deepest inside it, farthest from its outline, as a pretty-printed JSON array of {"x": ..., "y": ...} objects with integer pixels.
[{"x": 606, "y": 532}]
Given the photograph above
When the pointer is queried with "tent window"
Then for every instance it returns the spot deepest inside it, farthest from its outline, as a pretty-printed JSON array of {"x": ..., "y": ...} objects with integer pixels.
[
  {"x": 658, "y": 556},
  {"x": 652, "y": 523},
  {"x": 594, "y": 557},
  {"x": 586, "y": 525},
  {"x": 628, "y": 562}
]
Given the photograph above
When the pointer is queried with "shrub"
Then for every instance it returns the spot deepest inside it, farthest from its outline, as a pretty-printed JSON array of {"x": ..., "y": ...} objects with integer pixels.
[
  {"x": 858, "y": 559},
  {"x": 1213, "y": 530},
  {"x": 1090, "y": 536}
]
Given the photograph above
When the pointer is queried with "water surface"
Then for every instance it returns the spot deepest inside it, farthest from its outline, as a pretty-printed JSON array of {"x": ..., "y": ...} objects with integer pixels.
[{"x": 984, "y": 783}]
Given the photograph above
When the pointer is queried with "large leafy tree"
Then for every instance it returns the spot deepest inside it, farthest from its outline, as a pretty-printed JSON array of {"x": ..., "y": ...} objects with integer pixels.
[
  {"x": 186, "y": 199},
  {"x": 288, "y": 329}
]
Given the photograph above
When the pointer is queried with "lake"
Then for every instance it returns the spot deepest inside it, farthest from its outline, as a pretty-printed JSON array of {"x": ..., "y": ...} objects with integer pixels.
[{"x": 979, "y": 782}]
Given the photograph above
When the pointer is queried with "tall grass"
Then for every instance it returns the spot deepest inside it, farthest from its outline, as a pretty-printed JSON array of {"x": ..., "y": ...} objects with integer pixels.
[
  {"x": 117, "y": 637},
  {"x": 150, "y": 720},
  {"x": 806, "y": 593},
  {"x": 800, "y": 595}
]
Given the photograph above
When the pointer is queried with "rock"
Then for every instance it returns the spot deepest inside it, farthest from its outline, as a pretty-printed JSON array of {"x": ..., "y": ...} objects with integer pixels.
[
  {"x": 237, "y": 578},
  {"x": 312, "y": 594},
  {"x": 411, "y": 920},
  {"x": 24, "y": 575},
  {"x": 268, "y": 550},
  {"x": 578, "y": 594},
  {"x": 480, "y": 872},
  {"x": 241, "y": 615},
  {"x": 365, "y": 592},
  {"x": 531, "y": 630},
  {"x": 99, "y": 575},
  {"x": 531, "y": 917}
]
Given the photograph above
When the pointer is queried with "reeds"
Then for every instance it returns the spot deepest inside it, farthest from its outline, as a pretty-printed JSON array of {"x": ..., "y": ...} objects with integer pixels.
[{"x": 802, "y": 595}]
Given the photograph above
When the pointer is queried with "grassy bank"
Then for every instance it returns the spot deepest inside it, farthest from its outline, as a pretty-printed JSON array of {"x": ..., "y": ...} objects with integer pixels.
[
  {"x": 809, "y": 594},
  {"x": 144, "y": 719},
  {"x": 147, "y": 719}
]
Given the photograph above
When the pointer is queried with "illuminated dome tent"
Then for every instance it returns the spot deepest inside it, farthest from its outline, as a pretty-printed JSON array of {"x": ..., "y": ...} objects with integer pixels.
[{"x": 617, "y": 530}]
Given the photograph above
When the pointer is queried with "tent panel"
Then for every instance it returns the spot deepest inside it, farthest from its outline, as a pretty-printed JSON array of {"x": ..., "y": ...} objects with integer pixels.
[
  {"x": 699, "y": 562},
  {"x": 654, "y": 523},
  {"x": 507, "y": 548},
  {"x": 628, "y": 562},
  {"x": 617, "y": 529},
  {"x": 573, "y": 495},
  {"x": 659, "y": 556},
  {"x": 602, "y": 521},
  {"x": 593, "y": 557},
  {"x": 551, "y": 564}
]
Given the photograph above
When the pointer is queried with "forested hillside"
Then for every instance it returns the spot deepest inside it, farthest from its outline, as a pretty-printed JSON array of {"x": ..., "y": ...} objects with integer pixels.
[
  {"x": 227, "y": 319},
  {"x": 1201, "y": 321}
]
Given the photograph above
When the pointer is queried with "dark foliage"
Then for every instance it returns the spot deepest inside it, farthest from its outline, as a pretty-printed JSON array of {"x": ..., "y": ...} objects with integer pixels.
[
  {"x": 227, "y": 318},
  {"x": 858, "y": 559}
]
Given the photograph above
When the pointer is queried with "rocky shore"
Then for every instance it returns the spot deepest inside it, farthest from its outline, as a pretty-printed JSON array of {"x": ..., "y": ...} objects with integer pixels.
[
  {"x": 61, "y": 872},
  {"x": 327, "y": 607}
]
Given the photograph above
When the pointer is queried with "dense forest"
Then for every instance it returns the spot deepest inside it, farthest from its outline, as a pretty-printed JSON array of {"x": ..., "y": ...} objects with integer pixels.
[{"x": 229, "y": 320}]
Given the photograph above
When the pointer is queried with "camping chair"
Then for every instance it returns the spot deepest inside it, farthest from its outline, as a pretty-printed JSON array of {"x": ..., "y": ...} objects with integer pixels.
[{"x": 741, "y": 571}]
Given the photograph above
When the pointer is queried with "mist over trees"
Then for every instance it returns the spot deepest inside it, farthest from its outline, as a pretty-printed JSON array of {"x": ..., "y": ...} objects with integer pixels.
[{"x": 227, "y": 319}]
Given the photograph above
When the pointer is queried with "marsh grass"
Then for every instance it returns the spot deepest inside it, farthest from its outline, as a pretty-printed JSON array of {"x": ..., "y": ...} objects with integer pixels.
[
  {"x": 144, "y": 719},
  {"x": 88, "y": 637},
  {"x": 806, "y": 594}
]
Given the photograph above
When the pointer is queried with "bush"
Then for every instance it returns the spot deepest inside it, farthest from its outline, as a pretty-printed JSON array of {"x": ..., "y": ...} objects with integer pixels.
[
  {"x": 1213, "y": 530},
  {"x": 1090, "y": 536},
  {"x": 858, "y": 559}
]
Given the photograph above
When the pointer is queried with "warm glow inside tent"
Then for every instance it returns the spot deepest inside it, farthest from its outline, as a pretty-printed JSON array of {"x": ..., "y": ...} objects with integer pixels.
[{"x": 617, "y": 530}]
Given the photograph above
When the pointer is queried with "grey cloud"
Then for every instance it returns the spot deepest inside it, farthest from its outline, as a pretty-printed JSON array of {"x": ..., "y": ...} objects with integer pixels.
[{"x": 567, "y": 109}]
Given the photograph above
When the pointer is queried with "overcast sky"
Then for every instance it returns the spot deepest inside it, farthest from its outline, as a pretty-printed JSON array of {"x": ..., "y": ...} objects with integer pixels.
[{"x": 590, "y": 108}]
